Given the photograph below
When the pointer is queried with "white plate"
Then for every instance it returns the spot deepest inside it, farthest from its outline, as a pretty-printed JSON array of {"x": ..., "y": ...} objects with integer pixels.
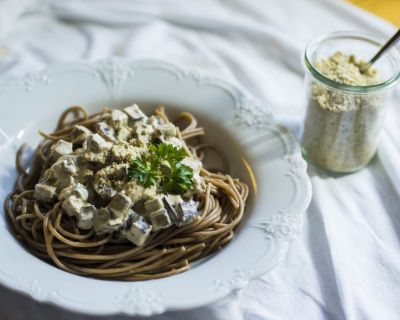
[{"x": 232, "y": 119}]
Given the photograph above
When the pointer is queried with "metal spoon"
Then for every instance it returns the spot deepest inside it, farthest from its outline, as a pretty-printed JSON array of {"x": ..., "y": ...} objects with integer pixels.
[{"x": 390, "y": 43}]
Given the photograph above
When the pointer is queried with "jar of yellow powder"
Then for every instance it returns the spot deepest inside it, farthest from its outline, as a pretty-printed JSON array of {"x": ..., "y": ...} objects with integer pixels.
[{"x": 345, "y": 104}]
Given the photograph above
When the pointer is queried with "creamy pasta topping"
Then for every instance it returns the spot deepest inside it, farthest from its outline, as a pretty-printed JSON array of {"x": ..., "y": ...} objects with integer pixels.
[{"x": 131, "y": 175}]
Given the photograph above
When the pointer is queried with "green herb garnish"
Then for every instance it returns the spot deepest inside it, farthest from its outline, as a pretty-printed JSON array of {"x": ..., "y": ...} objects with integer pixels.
[
  {"x": 163, "y": 165},
  {"x": 167, "y": 152},
  {"x": 147, "y": 173},
  {"x": 179, "y": 180}
]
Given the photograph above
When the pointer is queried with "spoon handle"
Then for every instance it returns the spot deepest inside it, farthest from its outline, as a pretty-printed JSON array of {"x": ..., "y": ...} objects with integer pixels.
[{"x": 392, "y": 41}]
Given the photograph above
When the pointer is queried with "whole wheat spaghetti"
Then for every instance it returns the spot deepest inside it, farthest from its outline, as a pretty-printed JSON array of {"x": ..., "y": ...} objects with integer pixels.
[{"x": 54, "y": 236}]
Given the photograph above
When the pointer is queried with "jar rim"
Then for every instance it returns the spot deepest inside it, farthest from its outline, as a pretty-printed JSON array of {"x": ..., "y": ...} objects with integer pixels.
[{"x": 393, "y": 53}]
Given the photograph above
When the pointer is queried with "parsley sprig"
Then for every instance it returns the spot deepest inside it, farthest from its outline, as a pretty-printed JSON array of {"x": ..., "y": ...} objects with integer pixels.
[
  {"x": 147, "y": 173},
  {"x": 163, "y": 165}
]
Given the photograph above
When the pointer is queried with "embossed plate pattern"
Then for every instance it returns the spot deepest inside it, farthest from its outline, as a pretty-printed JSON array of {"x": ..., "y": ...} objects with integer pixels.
[{"x": 261, "y": 152}]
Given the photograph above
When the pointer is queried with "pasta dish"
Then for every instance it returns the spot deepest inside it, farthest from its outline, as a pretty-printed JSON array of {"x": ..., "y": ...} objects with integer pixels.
[{"x": 123, "y": 195}]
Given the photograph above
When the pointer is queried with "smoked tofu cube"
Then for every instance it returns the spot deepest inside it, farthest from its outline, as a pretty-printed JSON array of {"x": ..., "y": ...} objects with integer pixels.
[
  {"x": 118, "y": 119},
  {"x": 170, "y": 209},
  {"x": 100, "y": 221},
  {"x": 80, "y": 134},
  {"x": 144, "y": 132},
  {"x": 120, "y": 204},
  {"x": 187, "y": 212},
  {"x": 81, "y": 191},
  {"x": 160, "y": 219},
  {"x": 65, "y": 182},
  {"x": 106, "y": 131},
  {"x": 135, "y": 113},
  {"x": 97, "y": 144},
  {"x": 193, "y": 164},
  {"x": 137, "y": 192},
  {"x": 64, "y": 167},
  {"x": 198, "y": 184},
  {"x": 45, "y": 192},
  {"x": 137, "y": 229},
  {"x": 104, "y": 221},
  {"x": 153, "y": 205},
  {"x": 123, "y": 134},
  {"x": 84, "y": 175},
  {"x": 85, "y": 217},
  {"x": 78, "y": 190},
  {"x": 49, "y": 177},
  {"x": 96, "y": 149},
  {"x": 60, "y": 148},
  {"x": 174, "y": 141},
  {"x": 167, "y": 130},
  {"x": 174, "y": 199},
  {"x": 72, "y": 205},
  {"x": 154, "y": 121}
]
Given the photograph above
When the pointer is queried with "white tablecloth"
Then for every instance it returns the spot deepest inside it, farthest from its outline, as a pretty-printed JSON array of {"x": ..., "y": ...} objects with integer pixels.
[{"x": 345, "y": 264}]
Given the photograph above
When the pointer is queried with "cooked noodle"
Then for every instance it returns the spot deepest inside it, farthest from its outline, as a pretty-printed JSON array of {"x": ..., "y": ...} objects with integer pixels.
[{"x": 52, "y": 235}]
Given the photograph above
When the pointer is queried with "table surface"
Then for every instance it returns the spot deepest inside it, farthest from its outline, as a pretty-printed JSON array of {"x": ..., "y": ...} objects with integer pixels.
[
  {"x": 345, "y": 262},
  {"x": 387, "y": 9}
]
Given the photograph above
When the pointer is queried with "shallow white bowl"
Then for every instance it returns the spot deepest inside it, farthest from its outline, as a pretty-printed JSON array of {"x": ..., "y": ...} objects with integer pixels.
[{"x": 262, "y": 153}]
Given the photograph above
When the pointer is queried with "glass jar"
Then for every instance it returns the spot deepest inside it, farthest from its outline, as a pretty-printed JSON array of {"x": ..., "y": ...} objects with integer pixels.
[{"x": 342, "y": 122}]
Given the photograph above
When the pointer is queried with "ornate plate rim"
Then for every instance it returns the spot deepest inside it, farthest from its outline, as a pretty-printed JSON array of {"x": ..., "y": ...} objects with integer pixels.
[{"x": 111, "y": 73}]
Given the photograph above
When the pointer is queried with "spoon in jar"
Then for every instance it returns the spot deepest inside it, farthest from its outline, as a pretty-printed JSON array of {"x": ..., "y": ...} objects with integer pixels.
[{"x": 390, "y": 43}]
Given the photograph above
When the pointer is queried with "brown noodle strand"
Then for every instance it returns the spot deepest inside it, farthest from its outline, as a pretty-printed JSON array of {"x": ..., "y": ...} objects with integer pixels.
[
  {"x": 54, "y": 236},
  {"x": 18, "y": 160},
  {"x": 75, "y": 110}
]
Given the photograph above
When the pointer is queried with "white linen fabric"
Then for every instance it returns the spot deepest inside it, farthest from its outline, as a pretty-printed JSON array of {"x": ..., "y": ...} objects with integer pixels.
[{"x": 345, "y": 264}]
